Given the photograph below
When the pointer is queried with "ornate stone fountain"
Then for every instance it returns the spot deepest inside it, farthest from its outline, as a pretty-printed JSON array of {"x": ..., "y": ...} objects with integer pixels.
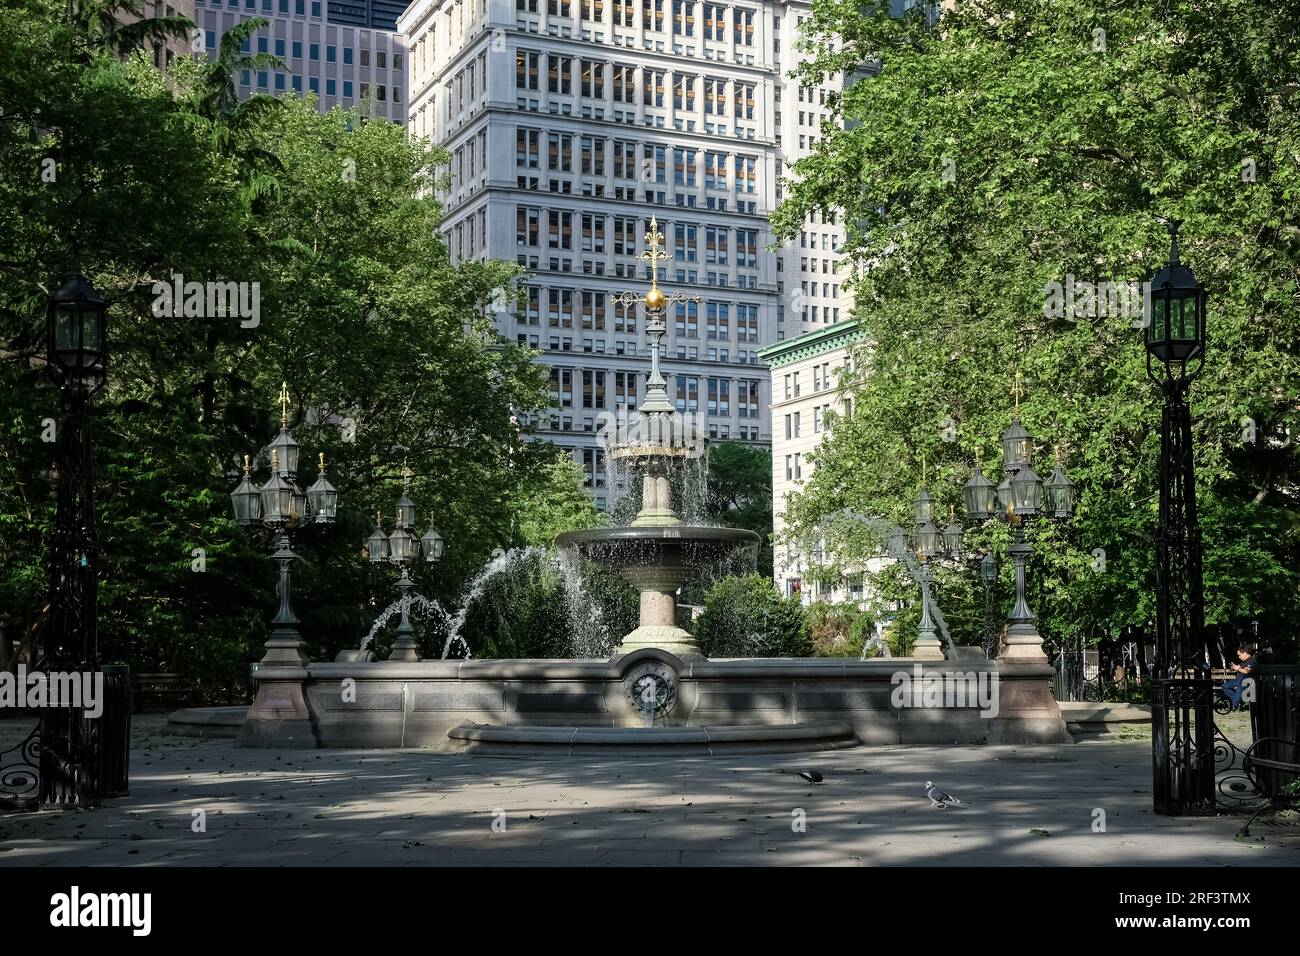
[
  {"x": 657, "y": 694},
  {"x": 656, "y": 552}
]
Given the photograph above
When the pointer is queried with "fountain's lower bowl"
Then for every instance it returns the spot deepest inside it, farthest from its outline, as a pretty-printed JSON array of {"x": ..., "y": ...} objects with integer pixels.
[{"x": 657, "y": 560}]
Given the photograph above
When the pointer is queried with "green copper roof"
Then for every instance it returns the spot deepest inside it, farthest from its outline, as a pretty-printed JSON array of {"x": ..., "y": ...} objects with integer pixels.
[{"x": 812, "y": 343}]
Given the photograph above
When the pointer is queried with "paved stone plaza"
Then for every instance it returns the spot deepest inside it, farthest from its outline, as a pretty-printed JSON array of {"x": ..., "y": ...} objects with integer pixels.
[{"x": 1028, "y": 806}]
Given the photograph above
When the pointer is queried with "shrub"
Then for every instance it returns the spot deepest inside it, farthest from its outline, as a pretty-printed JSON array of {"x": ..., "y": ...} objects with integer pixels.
[
  {"x": 745, "y": 616},
  {"x": 831, "y": 629}
]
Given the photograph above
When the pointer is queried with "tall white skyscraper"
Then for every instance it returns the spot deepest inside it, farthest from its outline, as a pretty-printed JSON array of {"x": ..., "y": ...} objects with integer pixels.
[{"x": 570, "y": 124}]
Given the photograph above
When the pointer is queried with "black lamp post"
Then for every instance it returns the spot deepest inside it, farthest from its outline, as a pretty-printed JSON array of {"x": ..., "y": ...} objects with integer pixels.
[
  {"x": 989, "y": 577},
  {"x": 281, "y": 507},
  {"x": 403, "y": 548},
  {"x": 1182, "y": 698},
  {"x": 71, "y": 744},
  {"x": 928, "y": 543},
  {"x": 1022, "y": 496}
]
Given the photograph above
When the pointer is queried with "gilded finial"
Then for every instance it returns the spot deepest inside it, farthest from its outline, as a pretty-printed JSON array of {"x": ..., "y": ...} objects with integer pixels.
[
  {"x": 407, "y": 475},
  {"x": 379, "y": 522},
  {"x": 322, "y": 463},
  {"x": 248, "y": 468},
  {"x": 655, "y": 300},
  {"x": 1017, "y": 390},
  {"x": 284, "y": 404}
]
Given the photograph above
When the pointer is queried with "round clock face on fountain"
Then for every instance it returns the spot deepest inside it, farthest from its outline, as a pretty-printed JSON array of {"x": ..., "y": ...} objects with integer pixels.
[{"x": 651, "y": 689}]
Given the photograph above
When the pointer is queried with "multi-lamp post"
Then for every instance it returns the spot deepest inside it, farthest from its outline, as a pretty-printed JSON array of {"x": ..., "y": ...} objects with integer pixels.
[
  {"x": 402, "y": 548},
  {"x": 1022, "y": 497},
  {"x": 929, "y": 544},
  {"x": 281, "y": 507}
]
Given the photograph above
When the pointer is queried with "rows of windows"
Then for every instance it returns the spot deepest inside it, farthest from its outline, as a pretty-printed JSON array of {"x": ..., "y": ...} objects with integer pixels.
[
  {"x": 821, "y": 380},
  {"x": 567, "y": 75},
  {"x": 820, "y": 421},
  {"x": 466, "y": 86},
  {"x": 283, "y": 48},
  {"x": 718, "y": 21},
  {"x": 594, "y": 232},
  {"x": 595, "y": 311},
  {"x": 299, "y": 7},
  {"x": 632, "y": 170},
  {"x": 468, "y": 237},
  {"x": 359, "y": 58},
  {"x": 283, "y": 82},
  {"x": 469, "y": 160},
  {"x": 605, "y": 389}
]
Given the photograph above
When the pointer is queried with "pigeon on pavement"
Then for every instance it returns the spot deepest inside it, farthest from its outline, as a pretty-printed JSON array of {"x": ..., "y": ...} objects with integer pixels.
[{"x": 940, "y": 799}]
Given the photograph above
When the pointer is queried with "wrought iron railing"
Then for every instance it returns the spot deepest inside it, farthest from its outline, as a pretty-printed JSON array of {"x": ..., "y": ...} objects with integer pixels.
[{"x": 20, "y": 767}]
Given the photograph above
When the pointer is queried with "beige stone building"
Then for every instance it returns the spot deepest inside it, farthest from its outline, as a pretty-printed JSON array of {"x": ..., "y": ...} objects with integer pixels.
[{"x": 806, "y": 372}]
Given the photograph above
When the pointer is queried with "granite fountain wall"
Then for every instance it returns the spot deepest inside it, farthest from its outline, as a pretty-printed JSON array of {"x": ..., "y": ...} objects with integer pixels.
[{"x": 421, "y": 704}]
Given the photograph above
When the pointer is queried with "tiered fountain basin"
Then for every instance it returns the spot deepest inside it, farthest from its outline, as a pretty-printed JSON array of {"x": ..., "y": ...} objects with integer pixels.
[
  {"x": 554, "y": 705},
  {"x": 656, "y": 560}
]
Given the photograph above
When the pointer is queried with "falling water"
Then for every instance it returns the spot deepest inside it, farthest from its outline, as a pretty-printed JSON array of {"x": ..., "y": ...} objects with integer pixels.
[
  {"x": 510, "y": 560},
  {"x": 589, "y": 635},
  {"x": 380, "y": 621},
  {"x": 430, "y": 608}
]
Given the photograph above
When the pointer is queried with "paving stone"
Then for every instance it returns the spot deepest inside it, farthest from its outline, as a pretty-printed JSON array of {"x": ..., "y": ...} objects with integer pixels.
[{"x": 419, "y": 808}]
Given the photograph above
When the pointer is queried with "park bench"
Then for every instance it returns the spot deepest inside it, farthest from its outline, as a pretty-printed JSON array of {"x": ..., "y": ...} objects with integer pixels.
[{"x": 1272, "y": 764}]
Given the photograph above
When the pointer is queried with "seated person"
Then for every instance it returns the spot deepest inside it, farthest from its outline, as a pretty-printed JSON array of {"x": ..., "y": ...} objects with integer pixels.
[{"x": 1244, "y": 667}]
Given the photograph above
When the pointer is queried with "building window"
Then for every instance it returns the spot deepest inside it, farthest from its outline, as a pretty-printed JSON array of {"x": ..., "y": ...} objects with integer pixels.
[
  {"x": 652, "y": 11},
  {"x": 593, "y": 155},
  {"x": 684, "y": 93},
  {"x": 560, "y": 235},
  {"x": 684, "y": 17},
  {"x": 528, "y": 221},
  {"x": 559, "y": 74},
  {"x": 526, "y": 69},
  {"x": 561, "y": 388},
  {"x": 559, "y": 152},
  {"x": 744, "y": 101},
  {"x": 652, "y": 89},
  {"x": 744, "y": 20},
  {"x": 593, "y": 314},
  {"x": 560, "y": 314},
  {"x": 593, "y": 79},
  {"x": 528, "y": 148},
  {"x": 688, "y": 394}
]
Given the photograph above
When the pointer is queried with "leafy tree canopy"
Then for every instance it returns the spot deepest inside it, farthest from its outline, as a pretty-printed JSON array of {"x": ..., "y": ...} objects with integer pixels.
[
  {"x": 141, "y": 179},
  {"x": 1005, "y": 149}
]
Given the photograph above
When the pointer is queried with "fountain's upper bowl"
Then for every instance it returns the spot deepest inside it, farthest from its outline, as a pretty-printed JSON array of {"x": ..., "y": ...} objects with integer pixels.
[{"x": 667, "y": 546}]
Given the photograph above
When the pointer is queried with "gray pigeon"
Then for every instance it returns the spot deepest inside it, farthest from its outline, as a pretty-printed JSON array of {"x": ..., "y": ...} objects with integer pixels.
[
  {"x": 812, "y": 776},
  {"x": 940, "y": 799}
]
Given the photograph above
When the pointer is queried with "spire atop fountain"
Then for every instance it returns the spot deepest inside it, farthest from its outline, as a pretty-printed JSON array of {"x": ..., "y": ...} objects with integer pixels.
[
  {"x": 656, "y": 303},
  {"x": 650, "y": 438}
]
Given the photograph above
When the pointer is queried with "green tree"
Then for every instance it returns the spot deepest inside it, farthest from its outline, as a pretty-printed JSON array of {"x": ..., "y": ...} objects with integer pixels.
[
  {"x": 996, "y": 154},
  {"x": 556, "y": 502},
  {"x": 745, "y": 616},
  {"x": 740, "y": 492},
  {"x": 388, "y": 347}
]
